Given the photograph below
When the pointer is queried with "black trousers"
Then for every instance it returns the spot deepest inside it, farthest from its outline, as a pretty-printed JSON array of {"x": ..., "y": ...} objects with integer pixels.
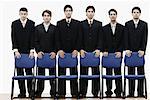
[
  {"x": 118, "y": 82},
  {"x": 21, "y": 82},
  {"x": 84, "y": 82},
  {"x": 62, "y": 82},
  {"x": 40, "y": 82},
  {"x": 140, "y": 71}
]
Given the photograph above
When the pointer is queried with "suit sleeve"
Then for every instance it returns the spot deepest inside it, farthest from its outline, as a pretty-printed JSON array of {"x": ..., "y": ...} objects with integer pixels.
[
  {"x": 105, "y": 47},
  {"x": 121, "y": 43},
  {"x": 13, "y": 37},
  {"x": 32, "y": 46},
  {"x": 100, "y": 38},
  {"x": 126, "y": 38},
  {"x": 57, "y": 38},
  {"x": 79, "y": 38},
  {"x": 144, "y": 38},
  {"x": 37, "y": 41}
]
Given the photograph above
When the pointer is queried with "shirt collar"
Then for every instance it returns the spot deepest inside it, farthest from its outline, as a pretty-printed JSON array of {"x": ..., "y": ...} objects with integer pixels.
[
  {"x": 46, "y": 25},
  {"x": 113, "y": 24},
  {"x": 90, "y": 20},
  {"x": 68, "y": 19},
  {"x": 23, "y": 21},
  {"x": 136, "y": 22}
]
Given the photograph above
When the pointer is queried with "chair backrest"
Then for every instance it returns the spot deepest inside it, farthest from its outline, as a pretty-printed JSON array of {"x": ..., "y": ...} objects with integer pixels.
[
  {"x": 46, "y": 61},
  {"x": 90, "y": 60},
  {"x": 68, "y": 61},
  {"x": 134, "y": 60},
  {"x": 24, "y": 61},
  {"x": 111, "y": 61}
]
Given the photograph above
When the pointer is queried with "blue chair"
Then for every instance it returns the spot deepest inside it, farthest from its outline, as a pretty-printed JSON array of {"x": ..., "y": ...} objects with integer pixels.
[
  {"x": 67, "y": 62},
  {"x": 110, "y": 61},
  {"x": 134, "y": 61},
  {"x": 47, "y": 63},
  {"x": 89, "y": 61},
  {"x": 23, "y": 62}
]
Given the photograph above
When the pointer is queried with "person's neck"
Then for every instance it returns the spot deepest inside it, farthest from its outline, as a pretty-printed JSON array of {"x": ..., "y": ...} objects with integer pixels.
[
  {"x": 113, "y": 22},
  {"x": 68, "y": 18},
  {"x": 23, "y": 19},
  {"x": 136, "y": 19},
  {"x": 47, "y": 23}
]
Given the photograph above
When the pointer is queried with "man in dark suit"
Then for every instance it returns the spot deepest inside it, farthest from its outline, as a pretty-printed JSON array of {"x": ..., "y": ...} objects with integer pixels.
[
  {"x": 22, "y": 34},
  {"x": 136, "y": 41},
  {"x": 113, "y": 43},
  {"x": 45, "y": 43},
  {"x": 91, "y": 41},
  {"x": 67, "y": 38}
]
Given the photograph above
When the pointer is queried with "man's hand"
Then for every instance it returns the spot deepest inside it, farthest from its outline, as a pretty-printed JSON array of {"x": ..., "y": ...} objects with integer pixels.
[
  {"x": 118, "y": 54},
  {"x": 61, "y": 53},
  {"x": 52, "y": 55},
  {"x": 105, "y": 54},
  {"x": 74, "y": 53},
  {"x": 140, "y": 53},
  {"x": 128, "y": 53},
  {"x": 82, "y": 53},
  {"x": 40, "y": 54},
  {"x": 17, "y": 54},
  {"x": 97, "y": 53},
  {"x": 31, "y": 55}
]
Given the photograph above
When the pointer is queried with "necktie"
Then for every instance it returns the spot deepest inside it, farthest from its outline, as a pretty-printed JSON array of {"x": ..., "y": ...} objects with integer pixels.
[
  {"x": 68, "y": 23},
  {"x": 90, "y": 23}
]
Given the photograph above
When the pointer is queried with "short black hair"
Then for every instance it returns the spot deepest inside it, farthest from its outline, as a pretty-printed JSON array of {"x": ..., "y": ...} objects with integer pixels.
[
  {"x": 68, "y": 6},
  {"x": 47, "y": 11},
  {"x": 23, "y": 9},
  {"x": 137, "y": 8},
  {"x": 112, "y": 10},
  {"x": 90, "y": 7}
]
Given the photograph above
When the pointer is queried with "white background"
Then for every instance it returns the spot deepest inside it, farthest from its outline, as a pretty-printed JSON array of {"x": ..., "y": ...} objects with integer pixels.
[{"x": 9, "y": 12}]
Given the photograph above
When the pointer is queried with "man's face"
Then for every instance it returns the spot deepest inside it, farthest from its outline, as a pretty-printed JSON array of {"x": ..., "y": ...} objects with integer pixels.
[
  {"x": 23, "y": 15},
  {"x": 90, "y": 13},
  {"x": 68, "y": 13},
  {"x": 113, "y": 16},
  {"x": 46, "y": 17},
  {"x": 136, "y": 14}
]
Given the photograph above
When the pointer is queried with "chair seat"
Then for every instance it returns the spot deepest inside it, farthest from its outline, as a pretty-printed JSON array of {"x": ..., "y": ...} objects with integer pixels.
[
  {"x": 45, "y": 77},
  {"x": 134, "y": 76},
  {"x": 68, "y": 77},
  {"x": 111, "y": 76},
  {"x": 68, "y": 61},
  {"x": 111, "y": 61},
  {"x": 24, "y": 61},
  {"x": 134, "y": 60},
  {"x": 90, "y": 60},
  {"x": 23, "y": 77},
  {"x": 46, "y": 61},
  {"x": 89, "y": 76}
]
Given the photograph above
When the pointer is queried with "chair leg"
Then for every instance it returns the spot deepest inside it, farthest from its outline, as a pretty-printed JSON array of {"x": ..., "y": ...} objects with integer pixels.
[
  {"x": 145, "y": 89},
  {"x": 12, "y": 89},
  {"x": 100, "y": 91},
  {"x": 102, "y": 88},
  {"x": 33, "y": 89},
  {"x": 124, "y": 92}
]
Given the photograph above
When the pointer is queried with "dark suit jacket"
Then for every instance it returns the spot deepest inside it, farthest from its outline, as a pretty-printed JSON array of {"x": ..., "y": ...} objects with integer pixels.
[
  {"x": 91, "y": 38},
  {"x": 136, "y": 38},
  {"x": 67, "y": 36},
  {"x": 22, "y": 38},
  {"x": 45, "y": 40},
  {"x": 113, "y": 43}
]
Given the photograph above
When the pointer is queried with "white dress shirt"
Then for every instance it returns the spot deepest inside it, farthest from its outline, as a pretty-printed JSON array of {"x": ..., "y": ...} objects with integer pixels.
[
  {"x": 46, "y": 26},
  {"x": 113, "y": 27}
]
